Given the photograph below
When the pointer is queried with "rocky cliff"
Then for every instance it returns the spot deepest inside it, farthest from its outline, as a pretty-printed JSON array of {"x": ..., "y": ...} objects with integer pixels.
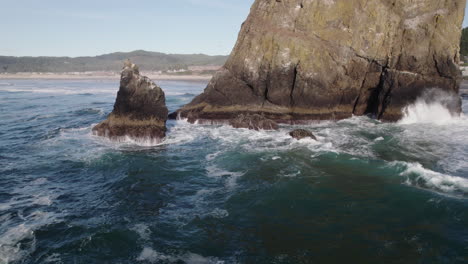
[
  {"x": 301, "y": 60},
  {"x": 140, "y": 111}
]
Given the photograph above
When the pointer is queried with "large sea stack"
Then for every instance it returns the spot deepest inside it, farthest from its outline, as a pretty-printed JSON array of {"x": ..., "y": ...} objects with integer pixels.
[
  {"x": 140, "y": 111},
  {"x": 299, "y": 60}
]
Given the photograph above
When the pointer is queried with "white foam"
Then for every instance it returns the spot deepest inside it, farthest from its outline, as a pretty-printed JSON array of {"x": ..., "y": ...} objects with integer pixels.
[
  {"x": 5, "y": 206},
  {"x": 231, "y": 177},
  {"x": 143, "y": 231},
  {"x": 10, "y": 248},
  {"x": 293, "y": 174},
  {"x": 331, "y": 136},
  {"x": 431, "y": 130},
  {"x": 18, "y": 240},
  {"x": 214, "y": 171},
  {"x": 144, "y": 142},
  {"x": 431, "y": 108},
  {"x": 192, "y": 258},
  {"x": 212, "y": 156},
  {"x": 417, "y": 175},
  {"x": 127, "y": 141},
  {"x": 53, "y": 258},
  {"x": 42, "y": 200},
  {"x": 39, "y": 181},
  {"x": 219, "y": 213},
  {"x": 151, "y": 255},
  {"x": 429, "y": 113}
]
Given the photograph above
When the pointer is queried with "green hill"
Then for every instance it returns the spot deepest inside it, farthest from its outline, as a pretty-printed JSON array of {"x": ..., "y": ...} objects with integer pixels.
[{"x": 147, "y": 61}]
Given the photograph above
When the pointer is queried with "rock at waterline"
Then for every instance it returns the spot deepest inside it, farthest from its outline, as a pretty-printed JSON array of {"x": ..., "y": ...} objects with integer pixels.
[
  {"x": 253, "y": 122},
  {"x": 313, "y": 60},
  {"x": 140, "y": 111},
  {"x": 301, "y": 134}
]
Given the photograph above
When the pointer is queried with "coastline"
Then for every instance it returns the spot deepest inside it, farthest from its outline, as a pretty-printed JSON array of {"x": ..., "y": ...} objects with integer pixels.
[
  {"x": 116, "y": 76},
  {"x": 100, "y": 76}
]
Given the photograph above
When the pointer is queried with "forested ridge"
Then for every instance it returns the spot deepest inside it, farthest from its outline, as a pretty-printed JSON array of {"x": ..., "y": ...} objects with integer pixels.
[{"x": 147, "y": 61}]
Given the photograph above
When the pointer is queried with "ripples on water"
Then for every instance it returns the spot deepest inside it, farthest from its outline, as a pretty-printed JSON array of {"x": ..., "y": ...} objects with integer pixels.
[{"x": 366, "y": 192}]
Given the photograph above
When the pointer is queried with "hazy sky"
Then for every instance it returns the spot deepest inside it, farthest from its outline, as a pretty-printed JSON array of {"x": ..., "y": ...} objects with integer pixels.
[{"x": 93, "y": 27}]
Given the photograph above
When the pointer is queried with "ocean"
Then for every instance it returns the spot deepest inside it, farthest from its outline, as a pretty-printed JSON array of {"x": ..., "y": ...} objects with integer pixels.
[{"x": 365, "y": 192}]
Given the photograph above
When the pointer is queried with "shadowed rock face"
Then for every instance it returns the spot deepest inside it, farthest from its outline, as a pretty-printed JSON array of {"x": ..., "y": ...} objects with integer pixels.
[
  {"x": 300, "y": 60},
  {"x": 139, "y": 111}
]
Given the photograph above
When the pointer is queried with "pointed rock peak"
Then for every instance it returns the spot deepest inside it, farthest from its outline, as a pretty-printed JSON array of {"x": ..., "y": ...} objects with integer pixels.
[
  {"x": 128, "y": 65},
  {"x": 140, "y": 111}
]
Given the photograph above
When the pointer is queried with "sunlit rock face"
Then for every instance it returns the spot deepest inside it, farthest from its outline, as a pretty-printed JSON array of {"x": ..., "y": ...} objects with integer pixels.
[
  {"x": 299, "y": 60},
  {"x": 140, "y": 111}
]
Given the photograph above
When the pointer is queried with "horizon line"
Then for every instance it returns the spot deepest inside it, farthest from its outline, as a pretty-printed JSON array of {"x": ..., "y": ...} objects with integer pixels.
[{"x": 102, "y": 54}]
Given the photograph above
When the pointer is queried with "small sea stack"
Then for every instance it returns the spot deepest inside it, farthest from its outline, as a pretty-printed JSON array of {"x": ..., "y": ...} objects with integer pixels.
[
  {"x": 301, "y": 134},
  {"x": 140, "y": 111}
]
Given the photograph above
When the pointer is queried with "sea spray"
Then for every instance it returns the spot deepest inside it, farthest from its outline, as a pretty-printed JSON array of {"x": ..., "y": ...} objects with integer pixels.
[{"x": 433, "y": 106}]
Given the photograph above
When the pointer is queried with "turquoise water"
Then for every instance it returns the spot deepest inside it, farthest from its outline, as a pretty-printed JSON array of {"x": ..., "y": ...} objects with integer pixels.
[{"x": 366, "y": 192}]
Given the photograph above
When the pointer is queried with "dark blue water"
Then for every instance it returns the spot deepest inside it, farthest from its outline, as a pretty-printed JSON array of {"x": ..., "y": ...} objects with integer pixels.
[{"x": 366, "y": 192}]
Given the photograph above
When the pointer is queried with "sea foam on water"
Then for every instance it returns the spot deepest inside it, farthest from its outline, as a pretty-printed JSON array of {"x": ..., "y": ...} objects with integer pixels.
[
  {"x": 217, "y": 176},
  {"x": 419, "y": 176}
]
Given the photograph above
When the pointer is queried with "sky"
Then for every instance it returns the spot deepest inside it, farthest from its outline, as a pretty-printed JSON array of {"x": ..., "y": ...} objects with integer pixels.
[{"x": 94, "y": 27}]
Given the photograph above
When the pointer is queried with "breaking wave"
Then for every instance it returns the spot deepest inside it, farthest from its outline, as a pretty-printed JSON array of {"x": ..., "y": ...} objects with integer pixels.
[
  {"x": 416, "y": 175},
  {"x": 433, "y": 107}
]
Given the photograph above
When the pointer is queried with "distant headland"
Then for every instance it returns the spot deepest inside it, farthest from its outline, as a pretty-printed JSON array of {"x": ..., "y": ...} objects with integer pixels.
[{"x": 156, "y": 65}]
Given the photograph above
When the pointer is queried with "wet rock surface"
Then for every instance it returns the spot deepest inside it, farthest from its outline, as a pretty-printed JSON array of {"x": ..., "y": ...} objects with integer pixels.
[
  {"x": 301, "y": 134},
  {"x": 253, "y": 122},
  {"x": 330, "y": 59},
  {"x": 140, "y": 111}
]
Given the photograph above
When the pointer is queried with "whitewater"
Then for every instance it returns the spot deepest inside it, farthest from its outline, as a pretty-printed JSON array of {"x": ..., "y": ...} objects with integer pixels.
[{"x": 366, "y": 191}]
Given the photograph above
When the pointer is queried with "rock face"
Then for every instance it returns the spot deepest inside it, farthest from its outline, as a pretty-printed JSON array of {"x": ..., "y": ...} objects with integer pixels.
[
  {"x": 254, "y": 122},
  {"x": 302, "y": 133},
  {"x": 139, "y": 111},
  {"x": 301, "y": 60}
]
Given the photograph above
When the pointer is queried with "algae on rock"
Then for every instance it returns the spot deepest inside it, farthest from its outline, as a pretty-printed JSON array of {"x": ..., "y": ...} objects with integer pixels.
[
  {"x": 302, "y": 60},
  {"x": 140, "y": 111}
]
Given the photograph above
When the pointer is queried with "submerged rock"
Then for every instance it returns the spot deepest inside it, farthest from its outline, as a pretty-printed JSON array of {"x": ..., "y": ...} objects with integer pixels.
[
  {"x": 140, "y": 111},
  {"x": 302, "y": 133},
  {"x": 331, "y": 59},
  {"x": 254, "y": 122}
]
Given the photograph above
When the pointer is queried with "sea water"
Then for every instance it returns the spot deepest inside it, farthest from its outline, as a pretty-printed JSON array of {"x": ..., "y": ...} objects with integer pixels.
[{"x": 365, "y": 192}]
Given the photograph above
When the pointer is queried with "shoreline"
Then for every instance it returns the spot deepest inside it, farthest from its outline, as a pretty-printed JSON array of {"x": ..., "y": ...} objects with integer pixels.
[
  {"x": 116, "y": 77},
  {"x": 101, "y": 76}
]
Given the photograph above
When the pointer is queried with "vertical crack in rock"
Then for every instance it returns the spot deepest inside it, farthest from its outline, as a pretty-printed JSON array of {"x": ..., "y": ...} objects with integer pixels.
[
  {"x": 374, "y": 103},
  {"x": 293, "y": 86}
]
